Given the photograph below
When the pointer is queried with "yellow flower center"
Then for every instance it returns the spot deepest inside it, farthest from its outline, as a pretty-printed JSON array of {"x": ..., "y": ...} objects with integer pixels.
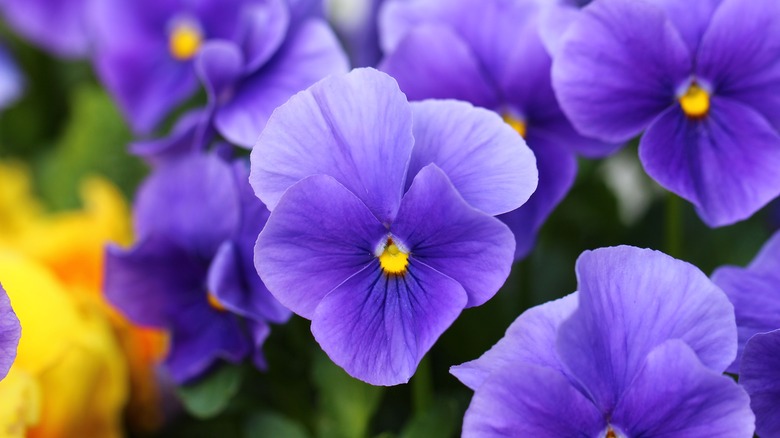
[
  {"x": 214, "y": 302},
  {"x": 516, "y": 123},
  {"x": 185, "y": 40},
  {"x": 393, "y": 260},
  {"x": 695, "y": 102}
]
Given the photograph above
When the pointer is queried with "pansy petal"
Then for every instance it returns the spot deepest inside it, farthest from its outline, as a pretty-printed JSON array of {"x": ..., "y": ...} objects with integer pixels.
[
  {"x": 378, "y": 327},
  {"x": 151, "y": 281},
  {"x": 525, "y": 400},
  {"x": 529, "y": 340},
  {"x": 754, "y": 293},
  {"x": 310, "y": 55},
  {"x": 58, "y": 26},
  {"x": 265, "y": 28},
  {"x": 618, "y": 67},
  {"x": 433, "y": 62},
  {"x": 675, "y": 395},
  {"x": 742, "y": 63},
  {"x": 196, "y": 347},
  {"x": 189, "y": 135},
  {"x": 147, "y": 86},
  {"x": 725, "y": 164},
  {"x": 557, "y": 170},
  {"x": 219, "y": 64},
  {"x": 260, "y": 332},
  {"x": 632, "y": 300},
  {"x": 444, "y": 232},
  {"x": 484, "y": 158},
  {"x": 319, "y": 235},
  {"x": 758, "y": 373},
  {"x": 356, "y": 128},
  {"x": 10, "y": 331},
  {"x": 691, "y": 19},
  {"x": 193, "y": 201},
  {"x": 554, "y": 19}
]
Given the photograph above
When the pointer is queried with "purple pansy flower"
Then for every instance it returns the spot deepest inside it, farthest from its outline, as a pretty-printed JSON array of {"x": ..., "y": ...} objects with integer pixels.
[
  {"x": 10, "y": 332},
  {"x": 755, "y": 293},
  {"x": 145, "y": 51},
  {"x": 11, "y": 81},
  {"x": 191, "y": 271},
  {"x": 700, "y": 78},
  {"x": 489, "y": 53},
  {"x": 382, "y": 227},
  {"x": 58, "y": 26},
  {"x": 637, "y": 351}
]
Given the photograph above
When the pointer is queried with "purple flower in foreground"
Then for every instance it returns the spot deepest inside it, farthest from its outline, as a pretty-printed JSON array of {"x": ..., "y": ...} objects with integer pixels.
[
  {"x": 489, "y": 53},
  {"x": 59, "y": 26},
  {"x": 11, "y": 81},
  {"x": 250, "y": 50},
  {"x": 191, "y": 271},
  {"x": 702, "y": 79},
  {"x": 637, "y": 351},
  {"x": 10, "y": 332},
  {"x": 755, "y": 293},
  {"x": 382, "y": 229}
]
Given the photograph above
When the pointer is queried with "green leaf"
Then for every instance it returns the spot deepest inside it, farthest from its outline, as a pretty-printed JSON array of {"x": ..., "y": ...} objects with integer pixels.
[
  {"x": 269, "y": 424},
  {"x": 211, "y": 394},
  {"x": 346, "y": 404},
  {"x": 438, "y": 422}
]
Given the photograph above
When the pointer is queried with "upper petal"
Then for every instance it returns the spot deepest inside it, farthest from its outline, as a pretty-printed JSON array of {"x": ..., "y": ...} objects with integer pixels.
[
  {"x": 441, "y": 230},
  {"x": 725, "y": 164},
  {"x": 758, "y": 373},
  {"x": 357, "y": 128},
  {"x": 529, "y": 340},
  {"x": 378, "y": 327},
  {"x": 691, "y": 19},
  {"x": 433, "y": 62},
  {"x": 58, "y": 26},
  {"x": 675, "y": 395},
  {"x": 525, "y": 400},
  {"x": 264, "y": 29},
  {"x": 484, "y": 158},
  {"x": 193, "y": 201},
  {"x": 632, "y": 300},
  {"x": 319, "y": 235},
  {"x": 310, "y": 54},
  {"x": 618, "y": 67},
  {"x": 740, "y": 55}
]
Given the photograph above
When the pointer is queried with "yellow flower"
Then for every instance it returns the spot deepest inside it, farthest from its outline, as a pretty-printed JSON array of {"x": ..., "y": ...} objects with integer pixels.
[
  {"x": 68, "y": 368},
  {"x": 70, "y": 246}
]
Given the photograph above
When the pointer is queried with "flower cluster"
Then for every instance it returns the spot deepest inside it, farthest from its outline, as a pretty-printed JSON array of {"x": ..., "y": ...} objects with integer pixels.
[{"x": 377, "y": 205}]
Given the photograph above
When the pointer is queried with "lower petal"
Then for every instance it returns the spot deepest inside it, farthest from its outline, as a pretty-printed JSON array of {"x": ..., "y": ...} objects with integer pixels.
[
  {"x": 675, "y": 395},
  {"x": 725, "y": 164},
  {"x": 759, "y": 373},
  {"x": 378, "y": 327},
  {"x": 523, "y": 400}
]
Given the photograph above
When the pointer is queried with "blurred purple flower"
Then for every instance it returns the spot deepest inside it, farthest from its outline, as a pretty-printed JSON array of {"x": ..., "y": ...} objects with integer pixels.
[
  {"x": 355, "y": 22},
  {"x": 58, "y": 26},
  {"x": 191, "y": 271},
  {"x": 10, "y": 332},
  {"x": 489, "y": 53},
  {"x": 251, "y": 54},
  {"x": 759, "y": 373},
  {"x": 11, "y": 80},
  {"x": 638, "y": 351},
  {"x": 381, "y": 229},
  {"x": 702, "y": 79},
  {"x": 755, "y": 293}
]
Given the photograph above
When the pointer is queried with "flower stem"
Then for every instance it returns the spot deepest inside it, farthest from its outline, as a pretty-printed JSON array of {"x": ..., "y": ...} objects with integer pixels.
[
  {"x": 422, "y": 387},
  {"x": 674, "y": 226}
]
